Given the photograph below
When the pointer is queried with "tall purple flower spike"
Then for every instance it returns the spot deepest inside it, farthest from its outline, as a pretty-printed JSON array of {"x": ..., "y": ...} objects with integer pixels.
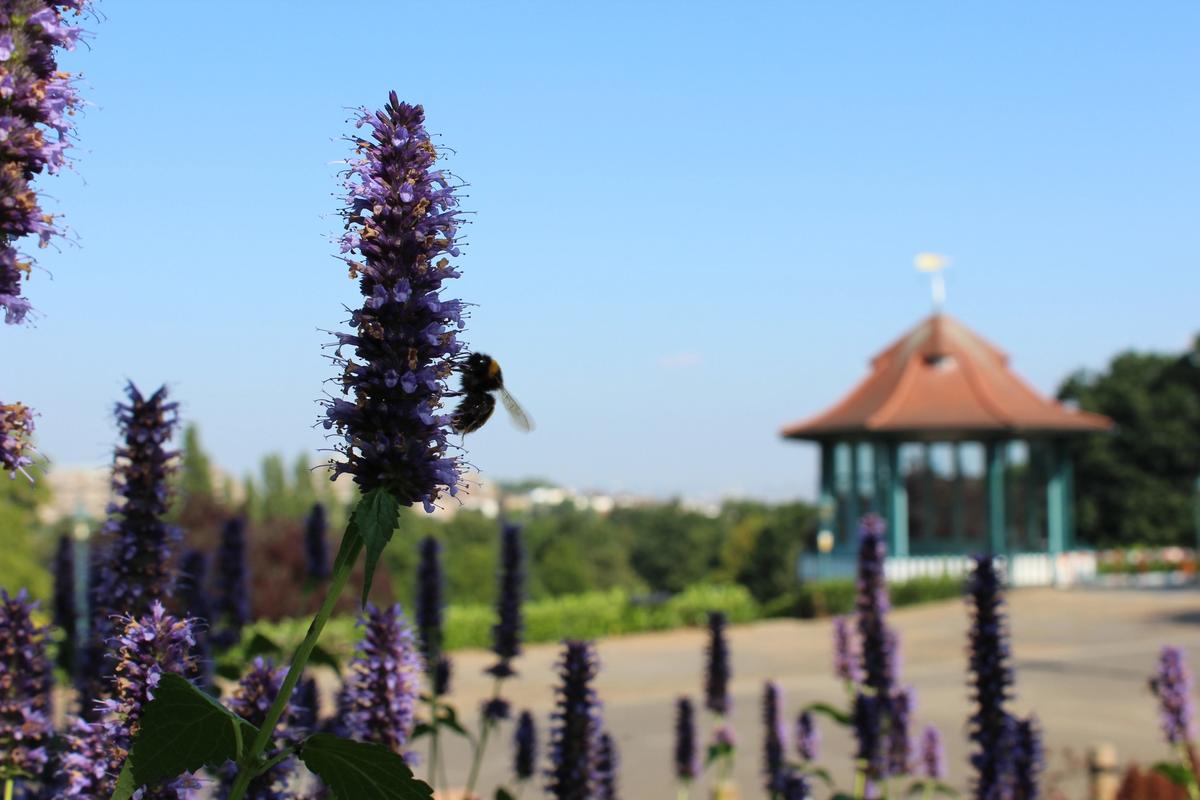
[
  {"x": 608, "y": 768},
  {"x": 506, "y": 633},
  {"x": 525, "y": 747},
  {"x": 808, "y": 738},
  {"x": 1029, "y": 759},
  {"x": 878, "y": 644},
  {"x": 717, "y": 670},
  {"x": 1172, "y": 685},
  {"x": 25, "y": 678},
  {"x": 402, "y": 223},
  {"x": 775, "y": 744},
  {"x": 687, "y": 752},
  {"x": 16, "y": 439},
  {"x": 430, "y": 607},
  {"x": 575, "y": 732},
  {"x": 383, "y": 681},
  {"x": 991, "y": 727},
  {"x": 37, "y": 103},
  {"x": 933, "y": 754},
  {"x": 845, "y": 654}
]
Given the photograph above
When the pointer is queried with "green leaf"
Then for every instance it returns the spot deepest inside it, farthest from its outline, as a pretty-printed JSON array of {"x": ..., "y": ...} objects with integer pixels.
[
  {"x": 357, "y": 770},
  {"x": 503, "y": 794},
  {"x": 717, "y": 750},
  {"x": 820, "y": 773},
  {"x": 448, "y": 718},
  {"x": 182, "y": 730},
  {"x": 1175, "y": 772},
  {"x": 421, "y": 729},
  {"x": 835, "y": 714},
  {"x": 374, "y": 519}
]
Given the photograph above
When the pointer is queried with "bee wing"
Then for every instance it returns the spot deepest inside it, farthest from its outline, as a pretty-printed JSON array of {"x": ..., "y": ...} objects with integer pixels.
[{"x": 518, "y": 415}]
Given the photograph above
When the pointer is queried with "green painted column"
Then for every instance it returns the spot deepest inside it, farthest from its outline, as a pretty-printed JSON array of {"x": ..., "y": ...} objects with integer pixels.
[
  {"x": 1056, "y": 499},
  {"x": 1068, "y": 467},
  {"x": 882, "y": 480},
  {"x": 828, "y": 505},
  {"x": 958, "y": 514},
  {"x": 897, "y": 502},
  {"x": 994, "y": 483},
  {"x": 854, "y": 496},
  {"x": 1033, "y": 484}
]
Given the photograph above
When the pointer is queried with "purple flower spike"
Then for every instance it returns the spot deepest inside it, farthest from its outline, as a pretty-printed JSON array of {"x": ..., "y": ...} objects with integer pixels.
[
  {"x": 868, "y": 733},
  {"x": 37, "y": 105},
  {"x": 306, "y": 706},
  {"x": 193, "y": 599},
  {"x": 402, "y": 223},
  {"x": 316, "y": 547},
  {"x": 991, "y": 727},
  {"x": 506, "y": 633},
  {"x": 430, "y": 607},
  {"x": 774, "y": 739},
  {"x": 145, "y": 649},
  {"x": 16, "y": 436},
  {"x": 608, "y": 766},
  {"x": 1029, "y": 760},
  {"x": 576, "y": 726},
  {"x": 878, "y": 645},
  {"x": 25, "y": 678},
  {"x": 66, "y": 610},
  {"x": 232, "y": 609},
  {"x": 383, "y": 681},
  {"x": 687, "y": 754},
  {"x": 845, "y": 654},
  {"x": 1172, "y": 685},
  {"x": 900, "y": 708},
  {"x": 525, "y": 747},
  {"x": 251, "y": 700},
  {"x": 933, "y": 754},
  {"x": 495, "y": 709},
  {"x": 808, "y": 738},
  {"x": 796, "y": 787},
  {"x": 717, "y": 672}
]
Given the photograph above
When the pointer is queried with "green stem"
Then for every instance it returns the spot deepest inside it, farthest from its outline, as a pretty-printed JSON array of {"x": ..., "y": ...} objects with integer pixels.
[
  {"x": 435, "y": 724},
  {"x": 683, "y": 793},
  {"x": 929, "y": 787},
  {"x": 1188, "y": 753},
  {"x": 860, "y": 783},
  {"x": 8, "y": 789},
  {"x": 485, "y": 725},
  {"x": 249, "y": 766}
]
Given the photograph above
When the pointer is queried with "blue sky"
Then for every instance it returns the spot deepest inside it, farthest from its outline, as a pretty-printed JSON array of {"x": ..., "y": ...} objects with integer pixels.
[{"x": 694, "y": 222}]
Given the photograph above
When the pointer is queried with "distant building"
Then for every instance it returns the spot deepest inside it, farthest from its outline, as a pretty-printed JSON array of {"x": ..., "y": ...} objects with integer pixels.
[{"x": 957, "y": 453}]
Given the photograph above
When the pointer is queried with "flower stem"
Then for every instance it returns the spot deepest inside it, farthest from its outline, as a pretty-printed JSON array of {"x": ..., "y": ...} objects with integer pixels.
[
  {"x": 8, "y": 789},
  {"x": 860, "y": 783},
  {"x": 434, "y": 724},
  {"x": 485, "y": 726},
  {"x": 248, "y": 766}
]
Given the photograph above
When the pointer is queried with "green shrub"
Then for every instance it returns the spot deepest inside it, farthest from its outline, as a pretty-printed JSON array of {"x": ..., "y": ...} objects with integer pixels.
[
  {"x": 925, "y": 590},
  {"x": 691, "y": 606}
]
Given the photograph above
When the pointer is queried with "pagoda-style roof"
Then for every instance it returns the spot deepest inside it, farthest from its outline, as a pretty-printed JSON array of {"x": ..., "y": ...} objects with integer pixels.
[{"x": 941, "y": 380}]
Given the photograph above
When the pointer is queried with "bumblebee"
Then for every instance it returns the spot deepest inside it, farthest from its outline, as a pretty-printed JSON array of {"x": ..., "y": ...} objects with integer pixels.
[{"x": 480, "y": 377}]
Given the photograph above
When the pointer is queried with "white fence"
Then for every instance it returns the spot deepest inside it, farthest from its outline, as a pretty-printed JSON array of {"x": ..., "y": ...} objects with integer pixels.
[{"x": 1022, "y": 569}]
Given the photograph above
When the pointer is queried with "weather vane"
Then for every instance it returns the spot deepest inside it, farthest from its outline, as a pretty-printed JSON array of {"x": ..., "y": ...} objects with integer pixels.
[{"x": 934, "y": 264}]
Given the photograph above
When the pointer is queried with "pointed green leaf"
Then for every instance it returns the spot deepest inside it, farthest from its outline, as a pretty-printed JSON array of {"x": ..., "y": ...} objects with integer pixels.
[
  {"x": 374, "y": 519},
  {"x": 835, "y": 714},
  {"x": 503, "y": 794},
  {"x": 448, "y": 718},
  {"x": 181, "y": 730},
  {"x": 357, "y": 770}
]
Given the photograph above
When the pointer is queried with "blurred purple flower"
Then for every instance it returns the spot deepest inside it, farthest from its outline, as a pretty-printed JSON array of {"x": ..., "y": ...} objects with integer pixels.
[
  {"x": 251, "y": 700},
  {"x": 608, "y": 767},
  {"x": 1172, "y": 685},
  {"x": 795, "y": 787},
  {"x": 306, "y": 706},
  {"x": 717, "y": 672},
  {"x": 933, "y": 754},
  {"x": 382, "y": 682},
  {"x": 66, "y": 610},
  {"x": 990, "y": 725},
  {"x": 25, "y": 682},
  {"x": 575, "y": 726},
  {"x": 16, "y": 437},
  {"x": 687, "y": 753},
  {"x": 496, "y": 709},
  {"x": 867, "y": 721},
  {"x": 845, "y": 654},
  {"x": 401, "y": 222},
  {"x": 900, "y": 707},
  {"x": 37, "y": 103},
  {"x": 1029, "y": 759},
  {"x": 774, "y": 739},
  {"x": 506, "y": 633},
  {"x": 194, "y": 602},
  {"x": 316, "y": 547},
  {"x": 808, "y": 738},
  {"x": 231, "y": 611},
  {"x": 525, "y": 747},
  {"x": 878, "y": 644},
  {"x": 430, "y": 604}
]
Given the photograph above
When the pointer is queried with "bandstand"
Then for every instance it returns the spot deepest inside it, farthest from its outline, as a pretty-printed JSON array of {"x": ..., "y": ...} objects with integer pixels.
[{"x": 957, "y": 453}]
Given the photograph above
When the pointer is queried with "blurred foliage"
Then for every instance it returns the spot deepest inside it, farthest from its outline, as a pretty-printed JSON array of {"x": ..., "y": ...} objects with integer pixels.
[
  {"x": 836, "y": 596},
  {"x": 25, "y": 548},
  {"x": 1137, "y": 484}
]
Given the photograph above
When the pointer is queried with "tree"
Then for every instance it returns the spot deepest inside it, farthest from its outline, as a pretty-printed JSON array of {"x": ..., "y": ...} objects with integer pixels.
[{"x": 1136, "y": 485}]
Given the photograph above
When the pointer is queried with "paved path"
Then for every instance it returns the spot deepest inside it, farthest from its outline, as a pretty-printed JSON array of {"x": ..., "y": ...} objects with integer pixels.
[{"x": 1082, "y": 660}]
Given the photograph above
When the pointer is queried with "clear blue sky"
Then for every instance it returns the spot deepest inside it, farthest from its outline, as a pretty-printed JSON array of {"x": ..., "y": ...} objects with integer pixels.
[{"x": 694, "y": 221}]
